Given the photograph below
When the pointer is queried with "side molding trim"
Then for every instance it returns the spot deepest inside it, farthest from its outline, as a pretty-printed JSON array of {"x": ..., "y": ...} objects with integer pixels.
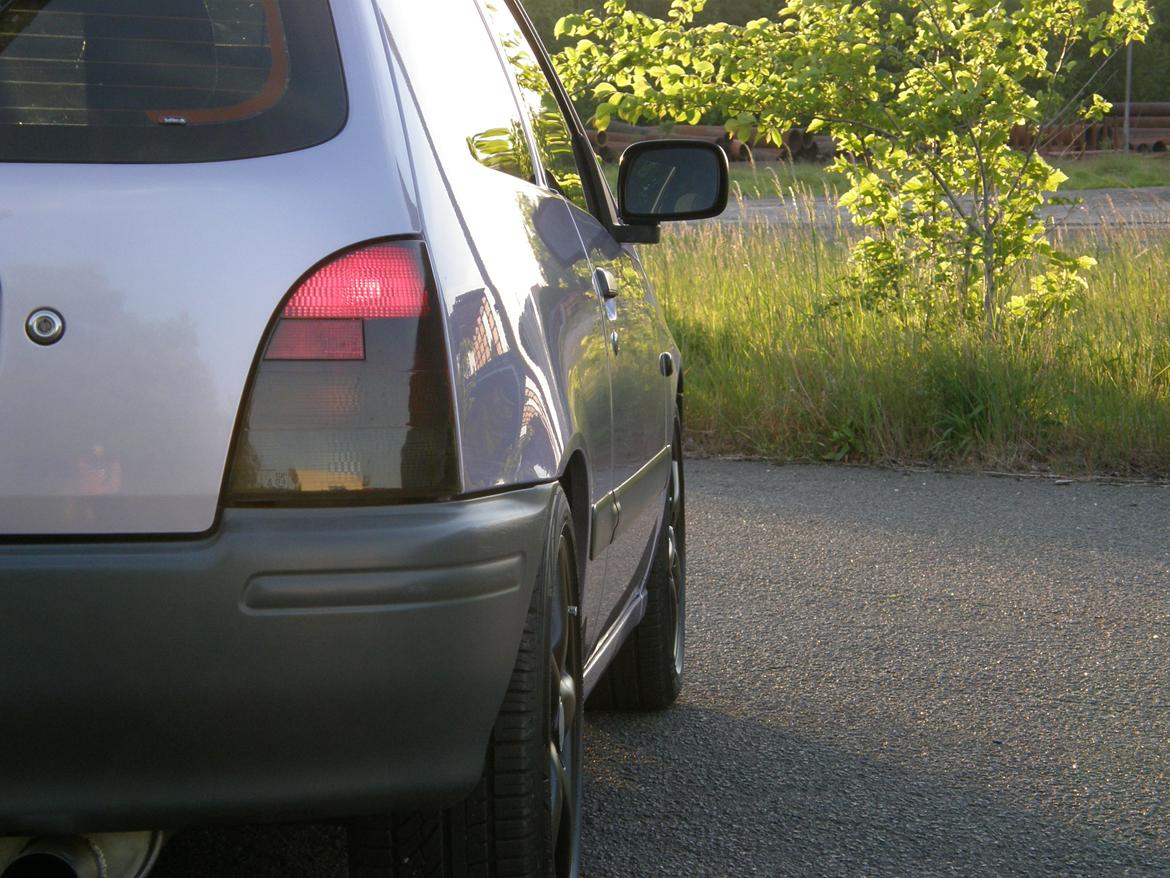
[
  {"x": 606, "y": 512},
  {"x": 641, "y": 489},
  {"x": 626, "y": 502}
]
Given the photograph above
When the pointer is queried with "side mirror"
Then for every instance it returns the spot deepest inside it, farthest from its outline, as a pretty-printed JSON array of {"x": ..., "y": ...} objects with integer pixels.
[{"x": 670, "y": 180}]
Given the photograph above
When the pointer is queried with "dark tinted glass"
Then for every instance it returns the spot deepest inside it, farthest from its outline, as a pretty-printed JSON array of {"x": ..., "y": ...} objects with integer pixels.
[
  {"x": 166, "y": 80},
  {"x": 660, "y": 181}
]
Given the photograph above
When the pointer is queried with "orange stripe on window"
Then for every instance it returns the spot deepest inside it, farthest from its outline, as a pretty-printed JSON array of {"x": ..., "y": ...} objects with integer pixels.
[{"x": 264, "y": 100}]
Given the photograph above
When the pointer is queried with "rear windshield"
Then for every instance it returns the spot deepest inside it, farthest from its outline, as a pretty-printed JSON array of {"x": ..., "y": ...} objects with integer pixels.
[{"x": 166, "y": 80}]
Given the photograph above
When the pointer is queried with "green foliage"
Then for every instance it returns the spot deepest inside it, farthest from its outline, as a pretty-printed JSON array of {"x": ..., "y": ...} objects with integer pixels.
[
  {"x": 780, "y": 179},
  {"x": 921, "y": 100},
  {"x": 546, "y": 13},
  {"x": 503, "y": 149},
  {"x": 771, "y": 371},
  {"x": 1151, "y": 65}
]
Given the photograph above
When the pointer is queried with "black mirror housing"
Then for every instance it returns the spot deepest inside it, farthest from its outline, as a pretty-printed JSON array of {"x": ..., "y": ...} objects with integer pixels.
[{"x": 672, "y": 180}]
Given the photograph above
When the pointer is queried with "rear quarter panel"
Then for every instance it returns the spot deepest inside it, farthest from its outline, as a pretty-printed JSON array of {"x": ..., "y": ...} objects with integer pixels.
[{"x": 524, "y": 322}]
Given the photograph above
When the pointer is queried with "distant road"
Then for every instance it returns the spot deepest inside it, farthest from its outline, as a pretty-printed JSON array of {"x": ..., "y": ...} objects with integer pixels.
[{"x": 1101, "y": 207}]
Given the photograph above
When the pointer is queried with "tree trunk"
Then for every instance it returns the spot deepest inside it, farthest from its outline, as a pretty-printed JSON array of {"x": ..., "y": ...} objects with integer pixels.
[{"x": 989, "y": 281}]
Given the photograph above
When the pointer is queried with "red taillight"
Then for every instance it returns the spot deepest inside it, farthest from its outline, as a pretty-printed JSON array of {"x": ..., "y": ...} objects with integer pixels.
[
  {"x": 383, "y": 280},
  {"x": 353, "y": 395},
  {"x": 322, "y": 319}
]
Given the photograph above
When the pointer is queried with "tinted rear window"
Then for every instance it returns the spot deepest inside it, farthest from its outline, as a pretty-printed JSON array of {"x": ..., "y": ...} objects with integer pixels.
[{"x": 166, "y": 80}]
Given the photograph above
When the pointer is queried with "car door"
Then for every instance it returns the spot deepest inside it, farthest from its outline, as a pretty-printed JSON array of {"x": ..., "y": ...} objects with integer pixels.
[
  {"x": 641, "y": 393},
  {"x": 633, "y": 331}
]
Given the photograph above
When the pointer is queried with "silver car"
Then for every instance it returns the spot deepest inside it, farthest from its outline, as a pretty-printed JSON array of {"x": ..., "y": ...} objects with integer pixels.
[{"x": 341, "y": 432}]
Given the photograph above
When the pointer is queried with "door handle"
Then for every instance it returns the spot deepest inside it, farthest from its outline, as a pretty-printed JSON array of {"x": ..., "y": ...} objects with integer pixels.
[{"x": 606, "y": 284}]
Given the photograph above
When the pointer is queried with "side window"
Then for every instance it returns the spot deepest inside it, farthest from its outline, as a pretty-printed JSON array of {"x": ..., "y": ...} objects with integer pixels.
[
  {"x": 472, "y": 115},
  {"x": 549, "y": 128}
]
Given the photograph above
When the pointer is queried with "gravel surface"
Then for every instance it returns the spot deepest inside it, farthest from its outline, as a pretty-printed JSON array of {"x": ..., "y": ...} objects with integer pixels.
[
  {"x": 889, "y": 675},
  {"x": 1149, "y": 207}
]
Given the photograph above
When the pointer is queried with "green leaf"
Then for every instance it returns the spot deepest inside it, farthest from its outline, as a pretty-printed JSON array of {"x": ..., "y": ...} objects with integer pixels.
[{"x": 925, "y": 109}]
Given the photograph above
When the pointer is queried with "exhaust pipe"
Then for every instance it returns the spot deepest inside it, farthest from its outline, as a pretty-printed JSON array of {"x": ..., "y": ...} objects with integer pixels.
[
  {"x": 75, "y": 857},
  {"x": 100, "y": 855}
]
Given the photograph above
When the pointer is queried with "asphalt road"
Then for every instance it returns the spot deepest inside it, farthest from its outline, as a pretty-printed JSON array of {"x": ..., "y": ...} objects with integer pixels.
[
  {"x": 889, "y": 675},
  {"x": 1135, "y": 208}
]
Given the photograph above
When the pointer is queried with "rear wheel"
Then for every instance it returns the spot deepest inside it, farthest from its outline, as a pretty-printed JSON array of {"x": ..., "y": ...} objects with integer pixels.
[
  {"x": 524, "y": 817},
  {"x": 647, "y": 673}
]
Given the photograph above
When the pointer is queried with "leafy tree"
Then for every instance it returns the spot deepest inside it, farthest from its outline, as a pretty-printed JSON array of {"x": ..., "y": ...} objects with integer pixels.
[
  {"x": 545, "y": 13},
  {"x": 921, "y": 99},
  {"x": 1151, "y": 65}
]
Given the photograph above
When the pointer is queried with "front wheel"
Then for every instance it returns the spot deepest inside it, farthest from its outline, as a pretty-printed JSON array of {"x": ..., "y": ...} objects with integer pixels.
[
  {"x": 523, "y": 820},
  {"x": 647, "y": 673}
]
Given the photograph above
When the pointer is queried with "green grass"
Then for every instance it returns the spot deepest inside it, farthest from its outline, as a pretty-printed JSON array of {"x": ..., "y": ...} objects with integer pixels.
[
  {"x": 771, "y": 179},
  {"x": 772, "y": 372},
  {"x": 1118, "y": 171}
]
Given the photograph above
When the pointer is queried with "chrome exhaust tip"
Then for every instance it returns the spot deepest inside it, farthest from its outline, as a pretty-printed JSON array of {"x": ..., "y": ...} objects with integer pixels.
[
  {"x": 70, "y": 857},
  {"x": 97, "y": 855}
]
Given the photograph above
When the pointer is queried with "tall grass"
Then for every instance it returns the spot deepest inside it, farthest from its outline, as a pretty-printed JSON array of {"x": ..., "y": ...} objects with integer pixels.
[
  {"x": 769, "y": 179},
  {"x": 1105, "y": 171},
  {"x": 781, "y": 363},
  {"x": 1115, "y": 171}
]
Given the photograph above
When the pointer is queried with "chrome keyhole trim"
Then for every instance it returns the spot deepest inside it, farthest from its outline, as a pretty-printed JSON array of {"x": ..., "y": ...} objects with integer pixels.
[{"x": 45, "y": 326}]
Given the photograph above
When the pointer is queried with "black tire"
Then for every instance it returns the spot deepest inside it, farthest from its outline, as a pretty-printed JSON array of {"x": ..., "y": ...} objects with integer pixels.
[
  {"x": 647, "y": 673},
  {"x": 523, "y": 820}
]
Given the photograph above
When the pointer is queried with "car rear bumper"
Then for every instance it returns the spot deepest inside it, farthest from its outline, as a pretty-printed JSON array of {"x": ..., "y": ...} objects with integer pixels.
[{"x": 297, "y": 663}]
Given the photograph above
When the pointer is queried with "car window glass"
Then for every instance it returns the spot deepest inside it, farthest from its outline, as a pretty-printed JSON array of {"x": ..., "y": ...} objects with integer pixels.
[
  {"x": 470, "y": 106},
  {"x": 166, "y": 80},
  {"x": 549, "y": 128}
]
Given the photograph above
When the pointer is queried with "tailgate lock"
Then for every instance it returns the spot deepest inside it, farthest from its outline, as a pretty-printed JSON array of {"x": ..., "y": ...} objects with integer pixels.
[{"x": 45, "y": 326}]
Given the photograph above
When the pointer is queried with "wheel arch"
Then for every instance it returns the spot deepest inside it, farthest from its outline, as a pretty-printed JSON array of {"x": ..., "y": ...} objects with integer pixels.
[
  {"x": 678, "y": 393},
  {"x": 575, "y": 483}
]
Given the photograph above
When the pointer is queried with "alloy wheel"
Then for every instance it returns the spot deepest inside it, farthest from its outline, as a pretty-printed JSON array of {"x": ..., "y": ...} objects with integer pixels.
[
  {"x": 565, "y": 720},
  {"x": 676, "y": 547}
]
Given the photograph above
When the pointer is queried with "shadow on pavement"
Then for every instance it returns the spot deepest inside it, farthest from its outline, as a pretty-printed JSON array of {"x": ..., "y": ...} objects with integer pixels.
[
  {"x": 696, "y": 792},
  {"x": 283, "y": 851}
]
